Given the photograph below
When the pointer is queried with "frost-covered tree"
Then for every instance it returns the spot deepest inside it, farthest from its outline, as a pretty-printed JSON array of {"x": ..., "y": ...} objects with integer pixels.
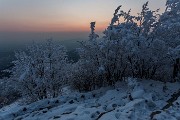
[
  {"x": 86, "y": 73},
  {"x": 168, "y": 30},
  {"x": 8, "y": 91},
  {"x": 41, "y": 70},
  {"x": 141, "y": 46},
  {"x": 169, "y": 24},
  {"x": 135, "y": 40},
  {"x": 132, "y": 47}
]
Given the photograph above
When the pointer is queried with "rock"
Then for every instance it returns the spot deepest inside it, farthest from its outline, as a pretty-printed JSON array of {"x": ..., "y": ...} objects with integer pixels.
[{"x": 71, "y": 102}]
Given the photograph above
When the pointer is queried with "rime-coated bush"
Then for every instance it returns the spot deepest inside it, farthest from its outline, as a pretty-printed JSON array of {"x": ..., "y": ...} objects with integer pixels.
[
  {"x": 8, "y": 92},
  {"x": 41, "y": 70},
  {"x": 145, "y": 46}
]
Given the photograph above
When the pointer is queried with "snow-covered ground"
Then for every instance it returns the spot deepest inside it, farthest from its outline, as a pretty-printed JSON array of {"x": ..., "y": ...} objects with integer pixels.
[{"x": 140, "y": 100}]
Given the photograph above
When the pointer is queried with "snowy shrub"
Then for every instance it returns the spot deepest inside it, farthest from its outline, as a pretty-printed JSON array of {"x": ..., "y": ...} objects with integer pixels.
[
  {"x": 8, "y": 92},
  {"x": 101, "y": 63},
  {"x": 41, "y": 70},
  {"x": 85, "y": 73},
  {"x": 168, "y": 30},
  {"x": 129, "y": 46},
  {"x": 141, "y": 45},
  {"x": 135, "y": 47},
  {"x": 84, "y": 77}
]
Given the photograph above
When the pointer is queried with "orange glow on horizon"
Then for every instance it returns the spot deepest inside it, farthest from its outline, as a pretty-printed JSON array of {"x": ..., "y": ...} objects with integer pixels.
[{"x": 52, "y": 27}]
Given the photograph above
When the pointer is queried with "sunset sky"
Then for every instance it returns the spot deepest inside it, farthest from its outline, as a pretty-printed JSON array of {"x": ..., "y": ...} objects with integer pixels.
[{"x": 63, "y": 15}]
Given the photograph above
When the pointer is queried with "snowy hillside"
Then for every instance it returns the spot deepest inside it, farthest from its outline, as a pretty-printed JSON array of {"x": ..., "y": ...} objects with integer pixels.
[{"x": 142, "y": 100}]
